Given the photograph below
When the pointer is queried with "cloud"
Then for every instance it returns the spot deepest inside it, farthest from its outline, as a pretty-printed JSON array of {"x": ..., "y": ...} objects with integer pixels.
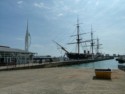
[
  {"x": 57, "y": 8},
  {"x": 19, "y": 2},
  {"x": 97, "y": 2},
  {"x": 60, "y": 14},
  {"x": 77, "y": 1},
  {"x": 41, "y": 5}
]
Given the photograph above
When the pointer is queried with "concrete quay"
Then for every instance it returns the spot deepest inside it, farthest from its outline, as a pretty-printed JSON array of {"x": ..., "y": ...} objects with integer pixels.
[{"x": 60, "y": 81}]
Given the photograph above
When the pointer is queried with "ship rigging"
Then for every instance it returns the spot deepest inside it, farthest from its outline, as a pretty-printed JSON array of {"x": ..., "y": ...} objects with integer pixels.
[{"x": 78, "y": 55}]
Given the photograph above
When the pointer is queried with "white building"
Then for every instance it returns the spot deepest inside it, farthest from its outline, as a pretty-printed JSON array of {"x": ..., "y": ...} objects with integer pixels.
[{"x": 14, "y": 56}]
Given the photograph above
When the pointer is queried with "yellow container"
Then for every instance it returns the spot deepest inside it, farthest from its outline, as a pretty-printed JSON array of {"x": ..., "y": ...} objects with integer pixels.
[{"x": 103, "y": 73}]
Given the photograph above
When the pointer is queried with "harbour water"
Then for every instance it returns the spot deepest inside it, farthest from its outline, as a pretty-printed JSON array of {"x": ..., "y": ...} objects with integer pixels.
[{"x": 112, "y": 64}]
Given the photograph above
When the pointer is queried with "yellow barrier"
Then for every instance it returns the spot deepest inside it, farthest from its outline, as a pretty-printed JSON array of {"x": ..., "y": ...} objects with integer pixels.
[{"x": 103, "y": 73}]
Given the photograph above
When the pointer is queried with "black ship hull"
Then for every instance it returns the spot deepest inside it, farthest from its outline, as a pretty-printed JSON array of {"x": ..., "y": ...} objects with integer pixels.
[
  {"x": 78, "y": 56},
  {"x": 120, "y": 60}
]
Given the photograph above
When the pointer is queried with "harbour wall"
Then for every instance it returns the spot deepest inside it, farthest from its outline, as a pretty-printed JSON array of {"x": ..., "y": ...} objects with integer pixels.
[{"x": 55, "y": 64}]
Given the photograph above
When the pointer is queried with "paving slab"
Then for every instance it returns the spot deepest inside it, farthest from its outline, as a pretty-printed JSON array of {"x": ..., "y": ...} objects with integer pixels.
[{"x": 60, "y": 81}]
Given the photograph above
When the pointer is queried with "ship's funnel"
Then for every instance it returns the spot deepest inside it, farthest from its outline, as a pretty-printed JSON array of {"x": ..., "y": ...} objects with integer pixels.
[{"x": 84, "y": 51}]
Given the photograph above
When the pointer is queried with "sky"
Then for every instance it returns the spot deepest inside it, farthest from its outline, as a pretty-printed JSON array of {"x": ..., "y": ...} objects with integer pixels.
[{"x": 50, "y": 20}]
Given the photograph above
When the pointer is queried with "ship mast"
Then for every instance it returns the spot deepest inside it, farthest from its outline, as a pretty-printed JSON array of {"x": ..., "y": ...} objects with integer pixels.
[
  {"x": 98, "y": 45},
  {"x": 92, "y": 42},
  {"x": 78, "y": 39}
]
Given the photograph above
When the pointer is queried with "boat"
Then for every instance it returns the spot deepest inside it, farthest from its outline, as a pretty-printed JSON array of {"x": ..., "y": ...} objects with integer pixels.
[
  {"x": 121, "y": 59},
  {"x": 121, "y": 67},
  {"x": 86, "y": 54}
]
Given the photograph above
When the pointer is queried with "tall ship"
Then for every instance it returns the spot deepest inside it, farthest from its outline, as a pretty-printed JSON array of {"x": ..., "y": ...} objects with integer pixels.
[{"x": 85, "y": 54}]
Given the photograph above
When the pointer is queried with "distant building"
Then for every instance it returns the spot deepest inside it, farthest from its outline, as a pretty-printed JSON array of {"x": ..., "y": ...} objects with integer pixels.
[
  {"x": 107, "y": 55},
  {"x": 14, "y": 56},
  {"x": 114, "y": 55},
  {"x": 42, "y": 59}
]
